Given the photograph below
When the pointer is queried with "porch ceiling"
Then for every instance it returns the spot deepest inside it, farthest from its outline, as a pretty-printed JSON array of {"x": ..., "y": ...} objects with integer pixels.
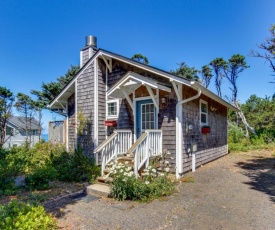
[{"x": 130, "y": 82}]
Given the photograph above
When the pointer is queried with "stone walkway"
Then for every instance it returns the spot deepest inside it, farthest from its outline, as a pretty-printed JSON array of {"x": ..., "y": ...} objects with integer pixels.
[{"x": 234, "y": 192}]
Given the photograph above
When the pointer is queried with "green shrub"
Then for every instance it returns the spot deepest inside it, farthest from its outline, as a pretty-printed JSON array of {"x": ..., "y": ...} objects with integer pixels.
[
  {"x": 39, "y": 179},
  {"x": 18, "y": 215},
  {"x": 75, "y": 166},
  {"x": 235, "y": 134},
  {"x": 43, "y": 163}
]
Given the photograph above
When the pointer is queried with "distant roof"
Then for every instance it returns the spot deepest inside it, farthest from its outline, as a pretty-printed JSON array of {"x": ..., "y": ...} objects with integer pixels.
[{"x": 20, "y": 122}]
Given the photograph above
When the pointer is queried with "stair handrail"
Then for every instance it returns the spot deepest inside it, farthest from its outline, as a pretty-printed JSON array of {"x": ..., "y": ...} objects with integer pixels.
[
  {"x": 117, "y": 143},
  {"x": 148, "y": 144}
]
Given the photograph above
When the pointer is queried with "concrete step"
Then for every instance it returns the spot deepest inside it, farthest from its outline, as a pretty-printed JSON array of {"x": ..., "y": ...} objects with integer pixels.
[{"x": 98, "y": 189}]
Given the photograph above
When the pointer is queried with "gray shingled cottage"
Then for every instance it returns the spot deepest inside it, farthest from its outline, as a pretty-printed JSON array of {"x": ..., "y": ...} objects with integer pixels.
[{"x": 135, "y": 108}]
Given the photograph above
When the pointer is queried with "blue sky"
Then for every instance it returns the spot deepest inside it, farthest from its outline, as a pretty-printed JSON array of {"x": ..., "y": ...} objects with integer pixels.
[{"x": 41, "y": 39}]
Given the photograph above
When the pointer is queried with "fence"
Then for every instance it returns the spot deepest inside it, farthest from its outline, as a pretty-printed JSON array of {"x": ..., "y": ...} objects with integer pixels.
[{"x": 57, "y": 132}]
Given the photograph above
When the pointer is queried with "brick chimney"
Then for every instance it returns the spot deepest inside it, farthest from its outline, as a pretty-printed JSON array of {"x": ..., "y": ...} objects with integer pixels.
[{"x": 87, "y": 52}]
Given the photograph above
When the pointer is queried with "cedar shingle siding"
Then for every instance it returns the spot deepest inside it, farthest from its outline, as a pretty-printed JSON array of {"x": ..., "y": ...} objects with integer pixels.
[
  {"x": 210, "y": 146},
  {"x": 85, "y": 106},
  {"x": 71, "y": 122}
]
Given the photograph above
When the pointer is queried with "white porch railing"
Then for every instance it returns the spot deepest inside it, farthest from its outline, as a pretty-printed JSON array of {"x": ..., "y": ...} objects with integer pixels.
[
  {"x": 118, "y": 143},
  {"x": 148, "y": 145}
]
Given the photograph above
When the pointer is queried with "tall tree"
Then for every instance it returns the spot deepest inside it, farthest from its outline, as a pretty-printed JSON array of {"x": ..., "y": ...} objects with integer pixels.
[
  {"x": 236, "y": 65},
  {"x": 268, "y": 46},
  {"x": 50, "y": 90},
  {"x": 25, "y": 107},
  {"x": 206, "y": 75},
  {"x": 6, "y": 103},
  {"x": 140, "y": 58},
  {"x": 218, "y": 65},
  {"x": 187, "y": 72}
]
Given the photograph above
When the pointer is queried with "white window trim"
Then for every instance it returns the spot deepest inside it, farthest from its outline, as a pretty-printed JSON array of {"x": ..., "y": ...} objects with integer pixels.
[
  {"x": 207, "y": 114},
  {"x": 117, "y": 106}
]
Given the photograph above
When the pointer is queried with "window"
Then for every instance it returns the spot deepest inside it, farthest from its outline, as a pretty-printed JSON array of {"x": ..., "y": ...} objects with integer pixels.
[
  {"x": 9, "y": 131},
  {"x": 112, "y": 109},
  {"x": 204, "y": 112}
]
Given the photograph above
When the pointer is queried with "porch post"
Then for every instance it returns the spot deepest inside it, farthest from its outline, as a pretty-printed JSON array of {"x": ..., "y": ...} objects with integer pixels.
[{"x": 178, "y": 90}]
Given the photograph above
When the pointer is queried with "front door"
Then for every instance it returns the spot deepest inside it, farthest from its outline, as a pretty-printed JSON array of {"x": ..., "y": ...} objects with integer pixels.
[{"x": 145, "y": 116}]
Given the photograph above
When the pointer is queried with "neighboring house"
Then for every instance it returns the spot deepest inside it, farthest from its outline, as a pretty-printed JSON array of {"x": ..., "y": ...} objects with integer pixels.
[
  {"x": 122, "y": 98},
  {"x": 16, "y": 134}
]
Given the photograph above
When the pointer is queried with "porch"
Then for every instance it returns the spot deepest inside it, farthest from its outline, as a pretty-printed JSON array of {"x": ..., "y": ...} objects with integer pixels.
[{"x": 119, "y": 144}]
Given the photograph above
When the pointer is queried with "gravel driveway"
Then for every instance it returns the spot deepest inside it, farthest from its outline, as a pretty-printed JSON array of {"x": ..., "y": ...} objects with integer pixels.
[{"x": 233, "y": 192}]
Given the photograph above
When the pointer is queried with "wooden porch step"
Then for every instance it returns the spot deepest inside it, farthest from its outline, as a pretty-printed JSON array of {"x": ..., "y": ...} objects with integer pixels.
[
  {"x": 105, "y": 180},
  {"x": 124, "y": 159}
]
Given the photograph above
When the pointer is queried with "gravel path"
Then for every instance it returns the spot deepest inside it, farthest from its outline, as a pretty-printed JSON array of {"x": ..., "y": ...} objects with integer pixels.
[{"x": 234, "y": 192}]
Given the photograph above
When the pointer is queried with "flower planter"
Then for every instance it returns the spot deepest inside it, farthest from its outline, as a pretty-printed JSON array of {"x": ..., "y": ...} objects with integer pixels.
[
  {"x": 112, "y": 123},
  {"x": 205, "y": 129}
]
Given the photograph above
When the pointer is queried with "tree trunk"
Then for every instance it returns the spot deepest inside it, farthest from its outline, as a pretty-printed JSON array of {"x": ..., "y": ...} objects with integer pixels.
[{"x": 242, "y": 116}]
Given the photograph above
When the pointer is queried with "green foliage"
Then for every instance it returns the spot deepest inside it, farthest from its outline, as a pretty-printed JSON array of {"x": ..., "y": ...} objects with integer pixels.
[
  {"x": 238, "y": 142},
  {"x": 41, "y": 164},
  {"x": 39, "y": 179},
  {"x": 50, "y": 90},
  {"x": 187, "y": 72},
  {"x": 140, "y": 58},
  {"x": 75, "y": 166},
  {"x": 235, "y": 133},
  {"x": 17, "y": 215},
  {"x": 6, "y": 103},
  {"x": 206, "y": 75},
  {"x": 260, "y": 113},
  {"x": 127, "y": 187},
  {"x": 235, "y": 66},
  {"x": 218, "y": 65}
]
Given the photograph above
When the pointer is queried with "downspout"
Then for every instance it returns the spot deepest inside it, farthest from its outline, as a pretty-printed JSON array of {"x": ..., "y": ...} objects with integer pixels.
[{"x": 179, "y": 155}]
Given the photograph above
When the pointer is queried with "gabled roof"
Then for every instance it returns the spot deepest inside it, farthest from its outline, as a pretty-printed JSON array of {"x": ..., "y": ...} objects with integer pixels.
[
  {"x": 148, "y": 68},
  {"x": 20, "y": 122},
  {"x": 131, "y": 81}
]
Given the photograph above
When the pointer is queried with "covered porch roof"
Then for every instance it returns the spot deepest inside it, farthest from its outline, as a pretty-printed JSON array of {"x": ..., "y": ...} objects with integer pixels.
[{"x": 130, "y": 82}]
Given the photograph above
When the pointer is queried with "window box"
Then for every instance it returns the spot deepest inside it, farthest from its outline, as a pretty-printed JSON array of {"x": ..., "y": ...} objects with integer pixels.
[
  {"x": 205, "y": 129},
  {"x": 111, "y": 123}
]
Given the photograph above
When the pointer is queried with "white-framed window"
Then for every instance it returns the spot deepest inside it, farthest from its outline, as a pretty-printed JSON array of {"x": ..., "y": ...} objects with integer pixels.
[
  {"x": 203, "y": 112},
  {"x": 112, "y": 108}
]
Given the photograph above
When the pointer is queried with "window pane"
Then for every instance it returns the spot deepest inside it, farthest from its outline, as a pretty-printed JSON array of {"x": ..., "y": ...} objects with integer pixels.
[
  {"x": 9, "y": 130},
  {"x": 151, "y": 108},
  {"x": 203, "y": 118},
  {"x": 112, "y": 109},
  {"x": 203, "y": 108}
]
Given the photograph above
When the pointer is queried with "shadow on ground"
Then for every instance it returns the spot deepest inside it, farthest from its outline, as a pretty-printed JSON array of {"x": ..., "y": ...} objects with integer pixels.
[
  {"x": 57, "y": 206},
  {"x": 261, "y": 172}
]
